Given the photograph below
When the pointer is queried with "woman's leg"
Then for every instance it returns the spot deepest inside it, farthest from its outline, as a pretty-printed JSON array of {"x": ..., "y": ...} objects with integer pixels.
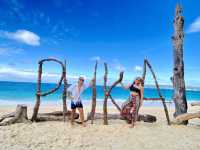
[
  {"x": 125, "y": 110},
  {"x": 134, "y": 111},
  {"x": 137, "y": 106}
]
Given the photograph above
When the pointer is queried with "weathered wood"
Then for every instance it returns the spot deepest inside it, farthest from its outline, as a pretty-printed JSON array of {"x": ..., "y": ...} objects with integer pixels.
[
  {"x": 20, "y": 116},
  {"x": 64, "y": 92},
  {"x": 107, "y": 92},
  {"x": 179, "y": 96},
  {"x": 55, "y": 116},
  {"x": 37, "y": 105},
  {"x": 185, "y": 117},
  {"x": 39, "y": 94},
  {"x": 195, "y": 104},
  {"x": 116, "y": 82},
  {"x": 116, "y": 105},
  {"x": 147, "y": 118},
  {"x": 94, "y": 94},
  {"x": 55, "y": 113},
  {"x": 141, "y": 117},
  {"x": 48, "y": 118},
  {"x": 152, "y": 99},
  {"x": 101, "y": 116},
  {"x": 105, "y": 114},
  {"x": 7, "y": 116},
  {"x": 144, "y": 70},
  {"x": 146, "y": 62}
]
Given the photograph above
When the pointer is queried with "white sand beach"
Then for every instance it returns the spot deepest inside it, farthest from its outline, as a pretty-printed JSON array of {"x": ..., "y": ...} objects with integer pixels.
[{"x": 117, "y": 135}]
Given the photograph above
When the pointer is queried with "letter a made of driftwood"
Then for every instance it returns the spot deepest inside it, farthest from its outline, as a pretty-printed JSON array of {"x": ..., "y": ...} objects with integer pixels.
[{"x": 146, "y": 63}]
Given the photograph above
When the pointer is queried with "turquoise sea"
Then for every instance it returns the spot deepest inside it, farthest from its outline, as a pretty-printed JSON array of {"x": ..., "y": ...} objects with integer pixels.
[{"x": 14, "y": 92}]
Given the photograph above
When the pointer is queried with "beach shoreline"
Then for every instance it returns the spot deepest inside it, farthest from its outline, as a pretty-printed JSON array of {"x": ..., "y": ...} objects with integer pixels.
[
  {"x": 116, "y": 135},
  {"x": 86, "y": 103}
]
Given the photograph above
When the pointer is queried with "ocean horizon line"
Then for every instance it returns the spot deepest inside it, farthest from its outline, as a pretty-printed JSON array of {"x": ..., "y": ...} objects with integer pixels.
[{"x": 162, "y": 86}]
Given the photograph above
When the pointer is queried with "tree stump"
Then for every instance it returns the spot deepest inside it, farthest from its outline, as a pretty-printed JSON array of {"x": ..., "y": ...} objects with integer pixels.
[{"x": 19, "y": 116}]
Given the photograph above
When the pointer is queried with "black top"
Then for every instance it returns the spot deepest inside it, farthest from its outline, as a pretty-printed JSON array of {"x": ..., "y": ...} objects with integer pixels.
[{"x": 135, "y": 89}]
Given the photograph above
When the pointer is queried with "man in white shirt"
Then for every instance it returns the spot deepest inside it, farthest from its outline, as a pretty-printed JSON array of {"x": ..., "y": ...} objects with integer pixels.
[{"x": 76, "y": 102}]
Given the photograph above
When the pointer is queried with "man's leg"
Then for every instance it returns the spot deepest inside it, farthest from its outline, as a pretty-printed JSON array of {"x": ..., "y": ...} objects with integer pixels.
[
  {"x": 73, "y": 108},
  {"x": 72, "y": 116},
  {"x": 81, "y": 115}
]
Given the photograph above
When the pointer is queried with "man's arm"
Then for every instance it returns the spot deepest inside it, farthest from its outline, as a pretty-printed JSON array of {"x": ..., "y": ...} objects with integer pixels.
[
  {"x": 87, "y": 85},
  {"x": 70, "y": 90},
  {"x": 91, "y": 83}
]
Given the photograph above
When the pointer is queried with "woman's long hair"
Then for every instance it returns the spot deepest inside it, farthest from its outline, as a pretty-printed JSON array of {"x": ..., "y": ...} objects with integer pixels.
[{"x": 140, "y": 79}]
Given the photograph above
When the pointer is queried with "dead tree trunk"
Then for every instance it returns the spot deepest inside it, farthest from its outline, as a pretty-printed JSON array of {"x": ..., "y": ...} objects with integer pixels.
[
  {"x": 145, "y": 117},
  {"x": 185, "y": 117},
  {"x": 144, "y": 70},
  {"x": 64, "y": 93},
  {"x": 55, "y": 116},
  {"x": 178, "y": 71},
  {"x": 37, "y": 105},
  {"x": 94, "y": 94},
  {"x": 19, "y": 116},
  {"x": 105, "y": 117}
]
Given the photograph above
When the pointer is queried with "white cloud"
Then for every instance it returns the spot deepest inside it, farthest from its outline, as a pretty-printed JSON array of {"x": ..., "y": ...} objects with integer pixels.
[
  {"x": 138, "y": 68},
  {"x": 10, "y": 73},
  {"x": 95, "y": 58},
  {"x": 195, "y": 26},
  {"x": 120, "y": 67},
  {"x": 23, "y": 36},
  {"x": 6, "y": 51},
  {"x": 117, "y": 65}
]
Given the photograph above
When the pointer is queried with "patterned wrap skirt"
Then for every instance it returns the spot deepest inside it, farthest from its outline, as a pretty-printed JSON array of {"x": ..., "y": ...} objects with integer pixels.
[{"x": 130, "y": 109}]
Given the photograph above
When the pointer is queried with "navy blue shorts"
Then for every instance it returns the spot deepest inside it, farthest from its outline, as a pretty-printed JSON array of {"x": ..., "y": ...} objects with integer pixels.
[{"x": 76, "y": 105}]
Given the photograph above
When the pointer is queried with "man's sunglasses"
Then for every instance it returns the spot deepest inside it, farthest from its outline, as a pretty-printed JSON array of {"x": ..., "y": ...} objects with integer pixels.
[{"x": 81, "y": 80}]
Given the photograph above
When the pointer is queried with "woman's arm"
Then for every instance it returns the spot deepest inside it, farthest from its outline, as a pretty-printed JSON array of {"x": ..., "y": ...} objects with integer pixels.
[{"x": 125, "y": 87}]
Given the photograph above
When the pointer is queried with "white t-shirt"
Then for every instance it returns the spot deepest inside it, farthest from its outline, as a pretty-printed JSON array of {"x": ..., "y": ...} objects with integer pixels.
[{"x": 76, "y": 93}]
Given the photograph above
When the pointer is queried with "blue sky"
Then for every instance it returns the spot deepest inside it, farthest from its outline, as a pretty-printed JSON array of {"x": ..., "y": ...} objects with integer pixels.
[{"x": 119, "y": 32}]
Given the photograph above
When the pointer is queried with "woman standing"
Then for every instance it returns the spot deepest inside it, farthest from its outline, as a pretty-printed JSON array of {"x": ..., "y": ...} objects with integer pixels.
[{"x": 130, "y": 108}]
